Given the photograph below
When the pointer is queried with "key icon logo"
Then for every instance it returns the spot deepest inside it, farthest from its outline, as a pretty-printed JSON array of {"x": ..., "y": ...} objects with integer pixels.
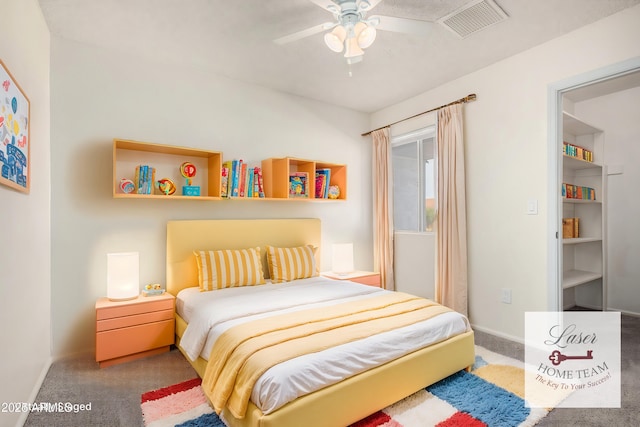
[{"x": 557, "y": 358}]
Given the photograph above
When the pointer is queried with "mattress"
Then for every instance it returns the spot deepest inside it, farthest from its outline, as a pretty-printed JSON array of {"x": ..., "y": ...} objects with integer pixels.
[{"x": 209, "y": 314}]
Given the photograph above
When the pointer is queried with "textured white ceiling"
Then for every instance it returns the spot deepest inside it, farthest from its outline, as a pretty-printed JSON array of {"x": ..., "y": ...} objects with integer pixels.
[{"x": 234, "y": 38}]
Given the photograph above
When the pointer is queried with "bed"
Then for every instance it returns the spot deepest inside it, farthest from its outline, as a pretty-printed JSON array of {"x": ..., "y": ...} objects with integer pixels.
[{"x": 343, "y": 401}]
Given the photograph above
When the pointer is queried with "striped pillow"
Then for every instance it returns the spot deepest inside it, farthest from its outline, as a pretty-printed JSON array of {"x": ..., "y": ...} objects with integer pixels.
[
  {"x": 229, "y": 268},
  {"x": 286, "y": 264}
]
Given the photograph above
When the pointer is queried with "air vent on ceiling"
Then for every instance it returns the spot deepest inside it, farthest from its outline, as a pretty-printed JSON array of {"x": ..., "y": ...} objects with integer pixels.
[{"x": 473, "y": 17}]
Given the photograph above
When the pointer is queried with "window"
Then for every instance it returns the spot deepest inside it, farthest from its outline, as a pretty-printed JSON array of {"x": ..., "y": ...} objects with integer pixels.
[{"x": 414, "y": 180}]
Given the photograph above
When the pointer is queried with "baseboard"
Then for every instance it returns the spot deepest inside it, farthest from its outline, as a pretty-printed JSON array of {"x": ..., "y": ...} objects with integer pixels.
[
  {"x": 596, "y": 308},
  {"x": 497, "y": 334},
  {"x": 36, "y": 389}
]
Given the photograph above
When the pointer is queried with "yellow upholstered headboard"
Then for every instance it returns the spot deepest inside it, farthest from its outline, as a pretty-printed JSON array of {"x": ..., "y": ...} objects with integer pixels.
[{"x": 183, "y": 237}]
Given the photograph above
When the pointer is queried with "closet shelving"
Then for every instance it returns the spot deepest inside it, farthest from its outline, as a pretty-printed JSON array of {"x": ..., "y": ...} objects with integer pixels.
[{"x": 583, "y": 257}]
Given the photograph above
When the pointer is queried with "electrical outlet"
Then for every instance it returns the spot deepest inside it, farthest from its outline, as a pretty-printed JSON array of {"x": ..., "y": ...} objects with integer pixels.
[{"x": 505, "y": 296}]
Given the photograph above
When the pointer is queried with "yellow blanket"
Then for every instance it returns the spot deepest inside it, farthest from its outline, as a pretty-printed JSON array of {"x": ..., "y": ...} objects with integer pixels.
[{"x": 244, "y": 352}]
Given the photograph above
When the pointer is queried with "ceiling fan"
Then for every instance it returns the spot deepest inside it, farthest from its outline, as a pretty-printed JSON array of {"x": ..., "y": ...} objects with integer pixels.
[{"x": 352, "y": 31}]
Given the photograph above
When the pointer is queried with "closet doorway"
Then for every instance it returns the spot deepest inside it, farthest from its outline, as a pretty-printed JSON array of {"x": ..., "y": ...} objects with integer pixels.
[{"x": 594, "y": 268}]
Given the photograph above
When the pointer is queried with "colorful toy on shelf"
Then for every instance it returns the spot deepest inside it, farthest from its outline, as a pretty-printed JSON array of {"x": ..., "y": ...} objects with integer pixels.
[
  {"x": 334, "y": 192},
  {"x": 152, "y": 289},
  {"x": 127, "y": 186},
  {"x": 188, "y": 171},
  {"x": 166, "y": 186}
]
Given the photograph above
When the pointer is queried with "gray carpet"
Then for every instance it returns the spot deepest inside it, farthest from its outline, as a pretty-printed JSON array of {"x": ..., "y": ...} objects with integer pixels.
[{"x": 114, "y": 392}]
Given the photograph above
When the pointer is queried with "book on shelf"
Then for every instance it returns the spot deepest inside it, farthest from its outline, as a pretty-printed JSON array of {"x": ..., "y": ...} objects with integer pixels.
[
  {"x": 570, "y": 228},
  {"x": 255, "y": 188},
  {"x": 567, "y": 228},
  {"x": 238, "y": 179},
  {"x": 572, "y": 191},
  {"x": 224, "y": 179},
  {"x": 299, "y": 184},
  {"x": 237, "y": 166},
  {"x": 576, "y": 151},
  {"x": 260, "y": 182},
  {"x": 249, "y": 190},
  {"x": 324, "y": 176},
  {"x": 242, "y": 179},
  {"x": 144, "y": 180},
  {"x": 321, "y": 183}
]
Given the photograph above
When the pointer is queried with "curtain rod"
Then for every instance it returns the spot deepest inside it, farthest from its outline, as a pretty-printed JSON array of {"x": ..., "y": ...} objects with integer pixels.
[{"x": 468, "y": 98}]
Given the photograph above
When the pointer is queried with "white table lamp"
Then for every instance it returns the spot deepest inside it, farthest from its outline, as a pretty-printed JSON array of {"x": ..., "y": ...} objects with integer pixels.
[
  {"x": 342, "y": 258},
  {"x": 123, "y": 276}
]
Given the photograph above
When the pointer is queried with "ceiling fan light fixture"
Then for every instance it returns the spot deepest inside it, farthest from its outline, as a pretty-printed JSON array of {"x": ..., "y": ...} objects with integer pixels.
[
  {"x": 367, "y": 36},
  {"x": 335, "y": 39},
  {"x": 352, "y": 48},
  {"x": 354, "y": 60}
]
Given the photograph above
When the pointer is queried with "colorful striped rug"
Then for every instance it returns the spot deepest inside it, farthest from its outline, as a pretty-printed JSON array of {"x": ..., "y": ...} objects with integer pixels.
[{"x": 492, "y": 394}]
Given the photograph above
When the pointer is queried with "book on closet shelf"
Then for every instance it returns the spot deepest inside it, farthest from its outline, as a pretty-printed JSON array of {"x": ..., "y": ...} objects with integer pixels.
[
  {"x": 571, "y": 191},
  {"x": 570, "y": 228},
  {"x": 576, "y": 151},
  {"x": 567, "y": 228}
]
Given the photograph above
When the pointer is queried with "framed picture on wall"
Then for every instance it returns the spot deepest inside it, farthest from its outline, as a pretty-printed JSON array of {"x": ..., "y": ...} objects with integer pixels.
[{"x": 15, "y": 145}]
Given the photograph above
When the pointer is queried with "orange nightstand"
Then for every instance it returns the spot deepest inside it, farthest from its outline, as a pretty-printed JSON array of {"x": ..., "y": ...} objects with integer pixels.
[
  {"x": 129, "y": 330},
  {"x": 364, "y": 277}
]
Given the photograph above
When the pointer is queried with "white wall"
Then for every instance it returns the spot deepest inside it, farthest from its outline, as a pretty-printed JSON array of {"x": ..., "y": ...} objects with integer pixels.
[
  {"x": 506, "y": 158},
  {"x": 617, "y": 115},
  {"x": 98, "y": 95},
  {"x": 25, "y": 233}
]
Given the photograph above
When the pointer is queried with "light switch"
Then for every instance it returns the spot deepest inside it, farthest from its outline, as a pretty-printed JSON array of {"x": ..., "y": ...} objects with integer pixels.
[{"x": 532, "y": 207}]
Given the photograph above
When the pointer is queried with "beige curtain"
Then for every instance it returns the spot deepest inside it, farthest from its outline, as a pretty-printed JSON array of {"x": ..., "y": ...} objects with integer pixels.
[
  {"x": 451, "y": 234},
  {"x": 382, "y": 207}
]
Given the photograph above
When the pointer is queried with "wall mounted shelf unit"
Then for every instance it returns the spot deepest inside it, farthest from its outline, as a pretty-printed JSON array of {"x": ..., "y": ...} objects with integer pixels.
[
  {"x": 276, "y": 172},
  {"x": 166, "y": 159}
]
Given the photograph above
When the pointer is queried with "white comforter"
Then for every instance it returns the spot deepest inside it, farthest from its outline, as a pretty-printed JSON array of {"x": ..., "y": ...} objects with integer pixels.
[{"x": 209, "y": 314}]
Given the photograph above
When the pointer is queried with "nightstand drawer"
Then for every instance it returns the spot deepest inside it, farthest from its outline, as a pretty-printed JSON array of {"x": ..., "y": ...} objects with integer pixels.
[
  {"x": 138, "y": 306},
  {"x": 134, "y": 339},
  {"x": 133, "y": 320}
]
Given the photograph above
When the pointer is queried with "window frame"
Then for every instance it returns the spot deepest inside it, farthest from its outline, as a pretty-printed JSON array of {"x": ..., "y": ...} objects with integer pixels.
[{"x": 418, "y": 137}]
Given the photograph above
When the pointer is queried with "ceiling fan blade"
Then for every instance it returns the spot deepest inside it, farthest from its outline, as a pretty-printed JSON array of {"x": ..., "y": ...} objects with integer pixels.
[
  {"x": 325, "y": 4},
  {"x": 305, "y": 33},
  {"x": 372, "y": 4},
  {"x": 402, "y": 25}
]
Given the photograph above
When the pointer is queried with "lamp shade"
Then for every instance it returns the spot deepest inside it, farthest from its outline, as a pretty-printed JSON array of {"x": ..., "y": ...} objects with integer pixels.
[
  {"x": 352, "y": 48},
  {"x": 335, "y": 39},
  {"x": 367, "y": 36},
  {"x": 342, "y": 258},
  {"x": 123, "y": 276}
]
